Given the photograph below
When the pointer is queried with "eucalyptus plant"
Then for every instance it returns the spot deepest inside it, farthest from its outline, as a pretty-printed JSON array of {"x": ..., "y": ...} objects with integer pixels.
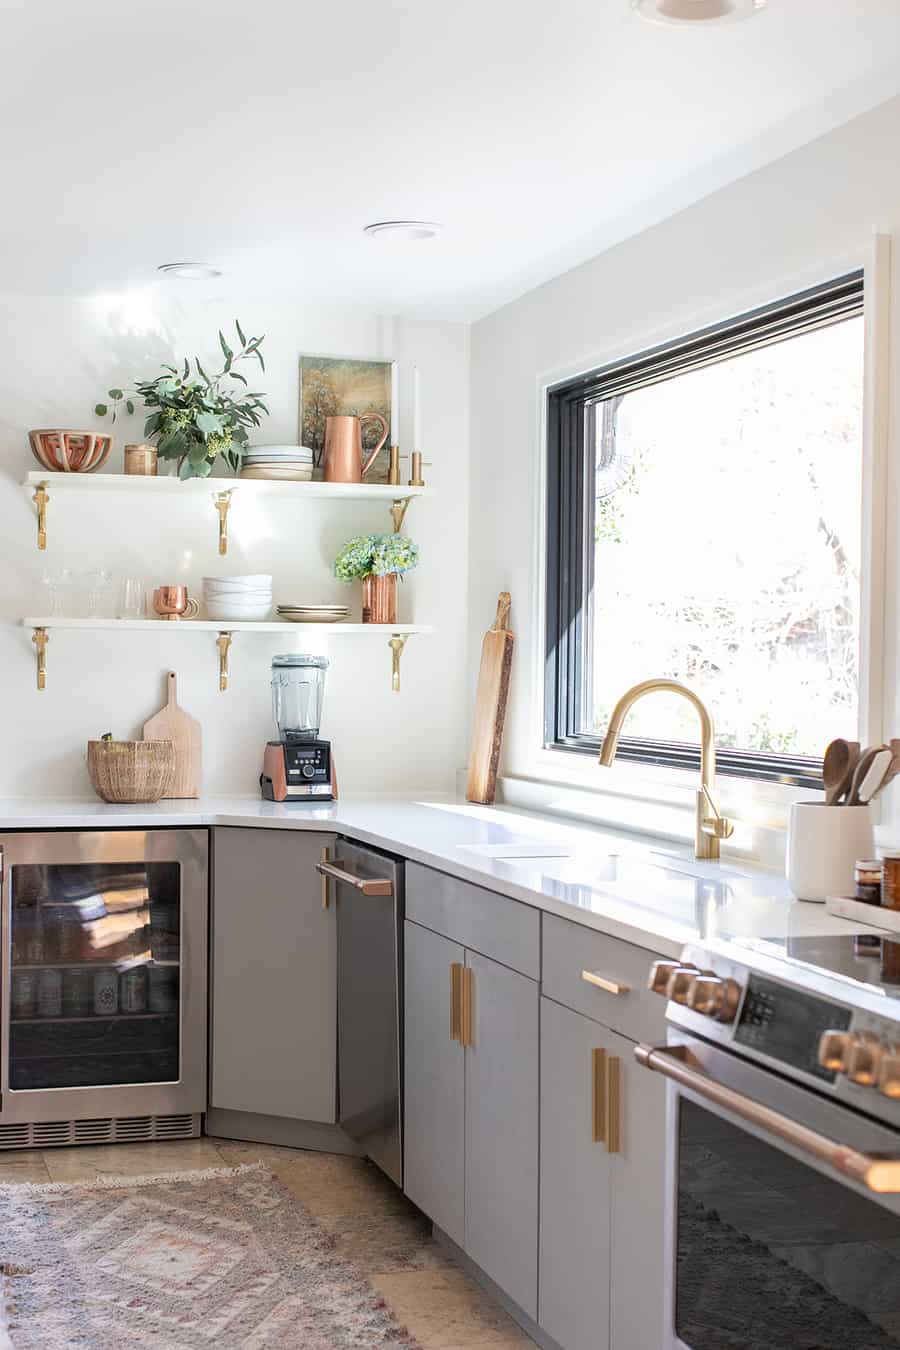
[{"x": 196, "y": 420}]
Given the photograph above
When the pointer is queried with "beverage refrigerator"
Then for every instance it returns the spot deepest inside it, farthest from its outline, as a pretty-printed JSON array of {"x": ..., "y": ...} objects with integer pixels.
[{"x": 104, "y": 986}]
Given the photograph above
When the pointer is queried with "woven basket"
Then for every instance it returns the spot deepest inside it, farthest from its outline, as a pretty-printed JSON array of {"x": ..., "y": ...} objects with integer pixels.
[{"x": 131, "y": 771}]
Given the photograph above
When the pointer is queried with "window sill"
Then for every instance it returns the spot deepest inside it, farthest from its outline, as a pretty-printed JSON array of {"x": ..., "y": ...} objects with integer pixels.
[{"x": 655, "y": 800}]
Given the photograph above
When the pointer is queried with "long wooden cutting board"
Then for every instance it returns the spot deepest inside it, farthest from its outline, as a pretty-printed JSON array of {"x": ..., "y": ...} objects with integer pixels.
[
  {"x": 490, "y": 705},
  {"x": 172, "y": 723}
]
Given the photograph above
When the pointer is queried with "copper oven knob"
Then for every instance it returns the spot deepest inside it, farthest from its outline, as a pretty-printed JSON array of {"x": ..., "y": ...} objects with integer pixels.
[
  {"x": 834, "y": 1048},
  {"x": 658, "y": 979},
  {"x": 889, "y": 1072},
  {"x": 714, "y": 997},
  {"x": 863, "y": 1060},
  {"x": 681, "y": 982}
]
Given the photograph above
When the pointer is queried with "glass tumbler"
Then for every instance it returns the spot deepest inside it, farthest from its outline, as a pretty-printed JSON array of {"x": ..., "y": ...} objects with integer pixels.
[{"x": 132, "y": 599}]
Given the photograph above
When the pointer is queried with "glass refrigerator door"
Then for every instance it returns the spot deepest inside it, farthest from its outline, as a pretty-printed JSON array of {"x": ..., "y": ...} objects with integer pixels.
[{"x": 95, "y": 987}]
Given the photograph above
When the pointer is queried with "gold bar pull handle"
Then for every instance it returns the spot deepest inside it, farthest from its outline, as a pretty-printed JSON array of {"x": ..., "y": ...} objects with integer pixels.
[
  {"x": 613, "y": 1103},
  {"x": 466, "y": 1023},
  {"x": 601, "y": 982},
  {"x": 325, "y": 857},
  {"x": 598, "y": 1095},
  {"x": 456, "y": 971}
]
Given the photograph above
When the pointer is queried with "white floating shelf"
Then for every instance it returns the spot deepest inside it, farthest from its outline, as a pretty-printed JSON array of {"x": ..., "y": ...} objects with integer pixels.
[
  {"x": 225, "y": 626},
  {"x": 396, "y": 635},
  {"x": 220, "y": 492},
  {"x": 257, "y": 487}
]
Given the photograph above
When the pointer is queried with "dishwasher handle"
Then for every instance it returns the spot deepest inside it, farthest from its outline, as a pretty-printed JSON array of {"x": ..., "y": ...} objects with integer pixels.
[
  {"x": 877, "y": 1172},
  {"x": 365, "y": 885}
]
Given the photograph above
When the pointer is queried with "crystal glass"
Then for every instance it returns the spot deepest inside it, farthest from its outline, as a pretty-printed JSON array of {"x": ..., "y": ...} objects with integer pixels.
[
  {"x": 97, "y": 584},
  {"x": 132, "y": 599}
]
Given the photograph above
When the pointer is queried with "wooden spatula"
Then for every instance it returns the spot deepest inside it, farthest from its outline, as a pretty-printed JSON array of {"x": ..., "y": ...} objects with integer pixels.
[
  {"x": 172, "y": 723},
  {"x": 490, "y": 705}
]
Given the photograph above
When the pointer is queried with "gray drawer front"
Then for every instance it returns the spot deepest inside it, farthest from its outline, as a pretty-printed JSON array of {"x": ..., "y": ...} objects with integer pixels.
[
  {"x": 569, "y": 949},
  {"x": 476, "y": 918}
]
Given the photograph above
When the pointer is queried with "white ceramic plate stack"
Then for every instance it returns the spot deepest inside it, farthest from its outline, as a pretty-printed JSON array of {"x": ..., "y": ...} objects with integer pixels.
[
  {"x": 313, "y": 613},
  {"x": 240, "y": 598},
  {"x": 292, "y": 463}
]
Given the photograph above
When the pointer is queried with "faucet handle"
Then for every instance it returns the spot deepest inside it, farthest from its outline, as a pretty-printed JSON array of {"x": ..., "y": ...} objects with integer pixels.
[{"x": 715, "y": 824}]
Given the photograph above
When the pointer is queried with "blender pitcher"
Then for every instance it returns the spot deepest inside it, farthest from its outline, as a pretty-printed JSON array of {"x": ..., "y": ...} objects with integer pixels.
[{"x": 298, "y": 688}]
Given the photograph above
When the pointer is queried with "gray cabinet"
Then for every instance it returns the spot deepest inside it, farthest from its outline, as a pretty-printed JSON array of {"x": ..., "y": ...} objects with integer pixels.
[
  {"x": 274, "y": 977},
  {"x": 471, "y": 1111},
  {"x": 602, "y": 1199},
  {"x": 435, "y": 1100},
  {"x": 502, "y": 1128}
]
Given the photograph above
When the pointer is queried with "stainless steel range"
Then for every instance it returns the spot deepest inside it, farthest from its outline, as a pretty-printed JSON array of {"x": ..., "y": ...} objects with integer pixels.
[{"x": 783, "y": 1128}]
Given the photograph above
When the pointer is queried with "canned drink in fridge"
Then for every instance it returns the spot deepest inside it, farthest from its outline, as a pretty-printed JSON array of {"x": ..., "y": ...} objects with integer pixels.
[
  {"x": 78, "y": 993},
  {"x": 24, "y": 993},
  {"x": 106, "y": 993},
  {"x": 133, "y": 991},
  {"x": 162, "y": 995},
  {"x": 49, "y": 994}
]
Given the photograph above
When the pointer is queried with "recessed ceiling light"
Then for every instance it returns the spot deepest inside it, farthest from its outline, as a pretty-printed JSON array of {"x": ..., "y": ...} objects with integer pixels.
[
  {"x": 697, "y": 11},
  {"x": 403, "y": 229},
  {"x": 190, "y": 271}
]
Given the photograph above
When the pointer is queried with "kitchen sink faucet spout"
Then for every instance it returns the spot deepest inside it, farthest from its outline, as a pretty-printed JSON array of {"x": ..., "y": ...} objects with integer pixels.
[{"x": 710, "y": 826}]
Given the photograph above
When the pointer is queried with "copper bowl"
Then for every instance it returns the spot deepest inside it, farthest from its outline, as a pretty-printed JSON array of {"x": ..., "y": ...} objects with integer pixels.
[{"x": 70, "y": 451}]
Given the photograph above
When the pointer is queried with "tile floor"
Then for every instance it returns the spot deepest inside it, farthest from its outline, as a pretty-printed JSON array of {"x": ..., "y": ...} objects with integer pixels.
[{"x": 374, "y": 1225}]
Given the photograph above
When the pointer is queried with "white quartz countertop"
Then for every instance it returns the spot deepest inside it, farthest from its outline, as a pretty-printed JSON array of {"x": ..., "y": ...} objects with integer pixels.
[{"x": 651, "y": 894}]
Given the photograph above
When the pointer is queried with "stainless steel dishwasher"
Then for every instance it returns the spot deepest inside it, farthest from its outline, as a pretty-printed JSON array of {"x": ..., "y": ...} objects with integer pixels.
[{"x": 368, "y": 890}]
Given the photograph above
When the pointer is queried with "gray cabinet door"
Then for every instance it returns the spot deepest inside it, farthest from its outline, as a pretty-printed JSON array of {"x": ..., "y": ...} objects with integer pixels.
[
  {"x": 502, "y": 1129},
  {"x": 637, "y": 1172},
  {"x": 575, "y": 1187},
  {"x": 274, "y": 976},
  {"x": 434, "y": 1111}
]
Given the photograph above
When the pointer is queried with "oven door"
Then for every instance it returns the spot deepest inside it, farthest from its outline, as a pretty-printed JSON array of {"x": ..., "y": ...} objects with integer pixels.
[{"x": 784, "y": 1220}]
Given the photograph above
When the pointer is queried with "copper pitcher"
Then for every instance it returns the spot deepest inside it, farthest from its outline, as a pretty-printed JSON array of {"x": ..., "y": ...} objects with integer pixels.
[{"x": 343, "y": 447}]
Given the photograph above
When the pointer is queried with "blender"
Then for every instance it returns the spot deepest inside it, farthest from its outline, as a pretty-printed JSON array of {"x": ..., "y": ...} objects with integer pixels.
[{"x": 298, "y": 766}]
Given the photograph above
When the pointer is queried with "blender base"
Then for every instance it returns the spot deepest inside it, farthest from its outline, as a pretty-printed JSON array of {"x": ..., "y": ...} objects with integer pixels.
[{"x": 298, "y": 771}]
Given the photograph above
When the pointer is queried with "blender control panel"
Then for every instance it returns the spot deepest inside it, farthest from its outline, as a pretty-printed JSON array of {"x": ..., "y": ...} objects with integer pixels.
[{"x": 307, "y": 769}]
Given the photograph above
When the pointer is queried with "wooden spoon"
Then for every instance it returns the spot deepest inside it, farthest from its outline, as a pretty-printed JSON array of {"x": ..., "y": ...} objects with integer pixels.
[
  {"x": 837, "y": 767},
  {"x": 863, "y": 765}
]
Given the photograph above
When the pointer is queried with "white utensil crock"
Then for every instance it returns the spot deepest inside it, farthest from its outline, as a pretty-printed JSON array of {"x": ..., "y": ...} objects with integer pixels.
[{"x": 823, "y": 844}]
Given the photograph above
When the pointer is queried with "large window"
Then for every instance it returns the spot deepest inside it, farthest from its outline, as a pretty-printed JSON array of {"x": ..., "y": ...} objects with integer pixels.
[{"x": 704, "y": 526}]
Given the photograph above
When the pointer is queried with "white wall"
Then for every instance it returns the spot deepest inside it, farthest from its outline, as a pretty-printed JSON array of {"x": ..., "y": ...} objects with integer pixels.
[
  {"x": 802, "y": 219},
  {"x": 57, "y": 358}
]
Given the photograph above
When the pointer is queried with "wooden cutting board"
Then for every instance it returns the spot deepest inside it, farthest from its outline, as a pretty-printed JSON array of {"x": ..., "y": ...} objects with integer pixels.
[
  {"x": 490, "y": 705},
  {"x": 172, "y": 723}
]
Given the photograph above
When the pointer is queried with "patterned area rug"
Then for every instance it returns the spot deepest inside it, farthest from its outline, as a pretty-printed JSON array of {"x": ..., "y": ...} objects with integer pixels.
[{"x": 226, "y": 1258}]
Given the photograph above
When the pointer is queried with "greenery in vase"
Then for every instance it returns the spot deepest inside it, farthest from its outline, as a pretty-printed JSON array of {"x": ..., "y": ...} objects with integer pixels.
[
  {"x": 196, "y": 420},
  {"x": 375, "y": 555}
]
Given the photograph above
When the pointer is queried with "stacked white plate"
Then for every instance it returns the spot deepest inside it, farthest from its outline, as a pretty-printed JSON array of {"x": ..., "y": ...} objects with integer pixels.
[
  {"x": 313, "y": 613},
  {"x": 241, "y": 598},
  {"x": 292, "y": 463}
]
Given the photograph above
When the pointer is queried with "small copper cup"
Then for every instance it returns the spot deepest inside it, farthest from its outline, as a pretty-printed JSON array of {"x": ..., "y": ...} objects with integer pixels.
[
  {"x": 172, "y": 602},
  {"x": 142, "y": 460}
]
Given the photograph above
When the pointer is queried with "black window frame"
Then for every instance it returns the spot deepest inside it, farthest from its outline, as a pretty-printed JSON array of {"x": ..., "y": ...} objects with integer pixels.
[{"x": 569, "y": 558}]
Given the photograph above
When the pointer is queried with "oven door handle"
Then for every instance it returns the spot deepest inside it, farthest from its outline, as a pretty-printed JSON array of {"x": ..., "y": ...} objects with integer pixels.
[
  {"x": 367, "y": 885},
  {"x": 878, "y": 1172}
]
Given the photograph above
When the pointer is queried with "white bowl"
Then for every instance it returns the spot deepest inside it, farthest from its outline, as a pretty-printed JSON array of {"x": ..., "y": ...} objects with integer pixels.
[
  {"x": 246, "y": 593},
  {"x": 224, "y": 613},
  {"x": 257, "y": 579}
]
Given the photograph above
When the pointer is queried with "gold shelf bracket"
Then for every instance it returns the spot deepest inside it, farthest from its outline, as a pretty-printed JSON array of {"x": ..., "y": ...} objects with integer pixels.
[
  {"x": 40, "y": 637},
  {"x": 223, "y": 642},
  {"x": 41, "y": 498},
  {"x": 398, "y": 512},
  {"x": 396, "y": 644},
  {"x": 222, "y": 502}
]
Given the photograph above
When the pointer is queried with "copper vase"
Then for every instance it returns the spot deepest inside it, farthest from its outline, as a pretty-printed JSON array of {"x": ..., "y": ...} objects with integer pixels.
[{"x": 380, "y": 599}]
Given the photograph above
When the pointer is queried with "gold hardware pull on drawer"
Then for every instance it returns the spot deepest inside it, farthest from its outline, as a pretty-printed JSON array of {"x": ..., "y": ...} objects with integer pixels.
[
  {"x": 456, "y": 971},
  {"x": 466, "y": 1015},
  {"x": 365, "y": 885},
  {"x": 326, "y": 857},
  {"x": 598, "y": 1095},
  {"x": 613, "y": 1103},
  {"x": 601, "y": 982}
]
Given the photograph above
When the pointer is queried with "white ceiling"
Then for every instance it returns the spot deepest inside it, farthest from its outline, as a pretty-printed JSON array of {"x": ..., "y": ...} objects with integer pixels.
[{"x": 263, "y": 134}]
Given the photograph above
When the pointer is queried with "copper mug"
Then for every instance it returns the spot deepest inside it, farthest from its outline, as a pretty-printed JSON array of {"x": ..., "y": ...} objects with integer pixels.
[
  {"x": 343, "y": 447},
  {"x": 172, "y": 602}
]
